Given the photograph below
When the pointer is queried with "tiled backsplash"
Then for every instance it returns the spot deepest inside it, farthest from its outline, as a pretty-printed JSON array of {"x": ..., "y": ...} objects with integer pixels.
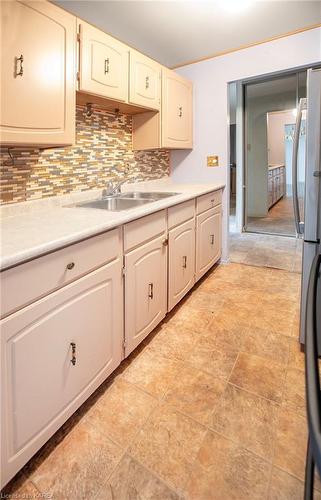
[{"x": 103, "y": 151}]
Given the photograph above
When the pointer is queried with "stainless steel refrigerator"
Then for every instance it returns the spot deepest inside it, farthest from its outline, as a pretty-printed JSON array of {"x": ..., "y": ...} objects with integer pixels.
[{"x": 309, "y": 227}]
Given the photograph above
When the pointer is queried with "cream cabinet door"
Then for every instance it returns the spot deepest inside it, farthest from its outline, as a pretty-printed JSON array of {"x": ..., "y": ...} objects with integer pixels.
[
  {"x": 177, "y": 111},
  {"x": 208, "y": 240},
  {"x": 145, "y": 291},
  {"x": 38, "y": 74},
  {"x": 103, "y": 64},
  {"x": 55, "y": 353},
  {"x": 181, "y": 265},
  {"x": 144, "y": 81}
]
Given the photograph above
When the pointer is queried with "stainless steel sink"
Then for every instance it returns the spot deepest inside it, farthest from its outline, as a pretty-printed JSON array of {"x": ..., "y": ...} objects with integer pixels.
[
  {"x": 125, "y": 201},
  {"x": 153, "y": 196},
  {"x": 113, "y": 204}
]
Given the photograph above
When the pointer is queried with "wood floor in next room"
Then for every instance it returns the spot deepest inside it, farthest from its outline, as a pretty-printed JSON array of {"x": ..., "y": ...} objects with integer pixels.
[{"x": 211, "y": 406}]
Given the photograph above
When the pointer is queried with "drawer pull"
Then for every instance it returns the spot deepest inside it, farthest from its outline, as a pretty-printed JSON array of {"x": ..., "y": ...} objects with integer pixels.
[
  {"x": 106, "y": 65},
  {"x": 147, "y": 82},
  {"x": 150, "y": 290},
  {"x": 212, "y": 239},
  {"x": 70, "y": 266},
  {"x": 184, "y": 261},
  {"x": 212, "y": 201},
  {"x": 73, "y": 353},
  {"x": 20, "y": 61},
  {"x": 180, "y": 111}
]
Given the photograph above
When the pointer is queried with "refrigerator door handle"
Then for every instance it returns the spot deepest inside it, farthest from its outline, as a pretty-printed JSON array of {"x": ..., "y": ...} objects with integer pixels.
[
  {"x": 299, "y": 225},
  {"x": 312, "y": 374}
]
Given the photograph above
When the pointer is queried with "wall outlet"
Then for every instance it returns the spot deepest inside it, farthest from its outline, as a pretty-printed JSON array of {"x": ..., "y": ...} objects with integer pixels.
[{"x": 212, "y": 161}]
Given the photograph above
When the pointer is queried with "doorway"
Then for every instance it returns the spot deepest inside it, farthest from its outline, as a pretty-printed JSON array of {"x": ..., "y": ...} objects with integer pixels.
[{"x": 270, "y": 115}]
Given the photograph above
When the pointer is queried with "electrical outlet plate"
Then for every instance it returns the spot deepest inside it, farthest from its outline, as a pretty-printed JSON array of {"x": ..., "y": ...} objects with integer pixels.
[{"x": 212, "y": 161}]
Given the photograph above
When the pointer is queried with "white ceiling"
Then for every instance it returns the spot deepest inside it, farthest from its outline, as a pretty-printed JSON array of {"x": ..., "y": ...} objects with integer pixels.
[{"x": 176, "y": 32}]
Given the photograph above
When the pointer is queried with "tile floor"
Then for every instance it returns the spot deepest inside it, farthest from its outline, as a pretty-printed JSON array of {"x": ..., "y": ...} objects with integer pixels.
[
  {"x": 278, "y": 252},
  {"x": 279, "y": 220},
  {"x": 210, "y": 406}
]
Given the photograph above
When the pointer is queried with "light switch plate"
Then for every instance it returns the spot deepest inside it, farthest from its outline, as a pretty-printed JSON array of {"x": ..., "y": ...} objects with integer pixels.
[{"x": 212, "y": 161}]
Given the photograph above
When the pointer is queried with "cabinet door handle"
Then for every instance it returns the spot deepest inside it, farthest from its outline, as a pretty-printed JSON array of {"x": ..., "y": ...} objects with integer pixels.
[
  {"x": 20, "y": 61},
  {"x": 147, "y": 82},
  {"x": 70, "y": 266},
  {"x": 151, "y": 290},
  {"x": 180, "y": 111},
  {"x": 212, "y": 239},
  {"x": 73, "y": 353},
  {"x": 184, "y": 261},
  {"x": 106, "y": 65}
]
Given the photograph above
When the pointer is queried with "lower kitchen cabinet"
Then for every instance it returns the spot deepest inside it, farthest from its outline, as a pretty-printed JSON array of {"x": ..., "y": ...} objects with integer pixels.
[
  {"x": 55, "y": 353},
  {"x": 145, "y": 290},
  {"x": 181, "y": 261},
  {"x": 208, "y": 240}
]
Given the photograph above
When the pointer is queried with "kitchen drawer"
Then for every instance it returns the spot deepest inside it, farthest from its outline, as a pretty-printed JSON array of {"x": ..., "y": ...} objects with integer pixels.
[
  {"x": 28, "y": 282},
  {"x": 207, "y": 201},
  {"x": 181, "y": 213},
  {"x": 144, "y": 229}
]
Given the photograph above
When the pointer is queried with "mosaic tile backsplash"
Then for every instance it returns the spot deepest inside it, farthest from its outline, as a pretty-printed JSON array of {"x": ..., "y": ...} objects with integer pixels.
[{"x": 103, "y": 152}]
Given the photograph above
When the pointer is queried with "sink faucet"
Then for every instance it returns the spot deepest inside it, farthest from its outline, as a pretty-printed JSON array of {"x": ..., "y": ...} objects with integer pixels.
[{"x": 113, "y": 189}]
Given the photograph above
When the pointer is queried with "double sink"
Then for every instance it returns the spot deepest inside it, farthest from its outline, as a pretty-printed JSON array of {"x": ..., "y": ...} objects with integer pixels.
[{"x": 125, "y": 201}]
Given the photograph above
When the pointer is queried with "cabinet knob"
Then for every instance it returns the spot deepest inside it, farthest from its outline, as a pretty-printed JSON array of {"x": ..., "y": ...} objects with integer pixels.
[
  {"x": 70, "y": 266},
  {"x": 184, "y": 261},
  {"x": 19, "y": 72},
  {"x": 151, "y": 290},
  {"x": 165, "y": 242},
  {"x": 73, "y": 353}
]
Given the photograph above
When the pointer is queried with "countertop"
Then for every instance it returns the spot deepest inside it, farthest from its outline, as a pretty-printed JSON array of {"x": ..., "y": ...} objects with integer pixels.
[
  {"x": 273, "y": 167},
  {"x": 33, "y": 228}
]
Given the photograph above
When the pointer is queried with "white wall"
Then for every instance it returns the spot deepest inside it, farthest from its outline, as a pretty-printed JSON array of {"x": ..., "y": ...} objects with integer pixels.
[{"x": 210, "y": 103}]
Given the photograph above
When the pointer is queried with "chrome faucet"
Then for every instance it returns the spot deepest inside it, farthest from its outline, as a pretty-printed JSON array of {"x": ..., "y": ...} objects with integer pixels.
[{"x": 113, "y": 189}]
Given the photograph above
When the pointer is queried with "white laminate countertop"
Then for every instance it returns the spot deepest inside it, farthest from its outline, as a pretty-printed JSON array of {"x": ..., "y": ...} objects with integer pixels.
[
  {"x": 33, "y": 228},
  {"x": 273, "y": 167}
]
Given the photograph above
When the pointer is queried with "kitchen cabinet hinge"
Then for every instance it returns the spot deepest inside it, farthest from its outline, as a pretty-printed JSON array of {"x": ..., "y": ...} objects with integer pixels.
[
  {"x": 78, "y": 37},
  {"x": 77, "y": 76},
  {"x": 123, "y": 270},
  {"x": 124, "y": 344}
]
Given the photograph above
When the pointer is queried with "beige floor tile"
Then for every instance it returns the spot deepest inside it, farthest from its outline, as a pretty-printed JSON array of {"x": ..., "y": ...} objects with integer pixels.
[
  {"x": 296, "y": 357},
  {"x": 247, "y": 419},
  {"x": 262, "y": 376},
  {"x": 133, "y": 481},
  {"x": 225, "y": 471},
  {"x": 285, "y": 487},
  {"x": 267, "y": 319},
  {"x": 153, "y": 372},
  {"x": 196, "y": 394},
  {"x": 79, "y": 466},
  {"x": 266, "y": 344},
  {"x": 190, "y": 318},
  {"x": 291, "y": 442},
  {"x": 218, "y": 363},
  {"x": 223, "y": 338},
  {"x": 205, "y": 301},
  {"x": 294, "y": 393},
  {"x": 121, "y": 411},
  {"x": 174, "y": 342},
  {"x": 168, "y": 445}
]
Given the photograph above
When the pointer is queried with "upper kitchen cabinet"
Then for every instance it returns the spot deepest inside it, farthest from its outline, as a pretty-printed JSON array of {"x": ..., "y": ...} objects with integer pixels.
[
  {"x": 38, "y": 74},
  {"x": 177, "y": 102},
  {"x": 172, "y": 128},
  {"x": 103, "y": 61},
  {"x": 144, "y": 81}
]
